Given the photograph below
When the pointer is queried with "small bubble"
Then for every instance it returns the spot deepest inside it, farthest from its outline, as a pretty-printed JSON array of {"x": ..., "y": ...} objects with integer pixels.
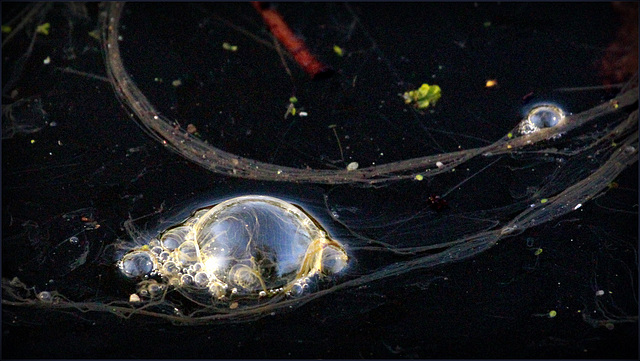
[
  {"x": 155, "y": 289},
  {"x": 171, "y": 267},
  {"x": 156, "y": 250},
  {"x": 164, "y": 256},
  {"x": 201, "y": 279},
  {"x": 545, "y": 116},
  {"x": 45, "y": 296},
  {"x": 296, "y": 290},
  {"x": 186, "y": 279}
]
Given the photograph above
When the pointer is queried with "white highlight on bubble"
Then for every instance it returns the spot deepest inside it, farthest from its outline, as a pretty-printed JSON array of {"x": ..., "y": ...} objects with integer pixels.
[{"x": 212, "y": 264}]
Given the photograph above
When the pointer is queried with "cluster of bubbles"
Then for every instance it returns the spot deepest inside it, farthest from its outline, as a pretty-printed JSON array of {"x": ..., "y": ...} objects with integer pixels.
[{"x": 245, "y": 247}]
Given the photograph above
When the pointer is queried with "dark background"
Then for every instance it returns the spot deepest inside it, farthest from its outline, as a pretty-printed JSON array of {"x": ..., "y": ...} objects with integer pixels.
[{"x": 71, "y": 151}]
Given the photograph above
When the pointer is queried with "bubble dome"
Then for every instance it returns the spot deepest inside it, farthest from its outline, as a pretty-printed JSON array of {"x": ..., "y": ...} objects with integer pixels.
[{"x": 245, "y": 247}]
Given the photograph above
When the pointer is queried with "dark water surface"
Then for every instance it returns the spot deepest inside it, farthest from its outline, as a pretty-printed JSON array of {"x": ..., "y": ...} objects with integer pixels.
[{"x": 76, "y": 166}]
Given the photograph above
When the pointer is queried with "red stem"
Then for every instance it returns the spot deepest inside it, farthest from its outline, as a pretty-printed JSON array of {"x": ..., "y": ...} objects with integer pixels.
[{"x": 292, "y": 43}]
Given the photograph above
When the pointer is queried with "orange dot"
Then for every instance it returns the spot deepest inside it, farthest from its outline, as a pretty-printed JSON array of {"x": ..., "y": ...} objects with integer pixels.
[{"x": 491, "y": 83}]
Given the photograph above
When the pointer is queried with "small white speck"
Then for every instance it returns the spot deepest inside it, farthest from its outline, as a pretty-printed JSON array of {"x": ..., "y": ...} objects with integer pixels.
[
  {"x": 439, "y": 165},
  {"x": 47, "y": 60},
  {"x": 352, "y": 166},
  {"x": 577, "y": 206},
  {"x": 600, "y": 293},
  {"x": 303, "y": 114}
]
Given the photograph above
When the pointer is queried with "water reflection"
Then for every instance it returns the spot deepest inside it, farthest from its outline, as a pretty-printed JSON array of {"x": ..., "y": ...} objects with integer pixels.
[{"x": 378, "y": 213}]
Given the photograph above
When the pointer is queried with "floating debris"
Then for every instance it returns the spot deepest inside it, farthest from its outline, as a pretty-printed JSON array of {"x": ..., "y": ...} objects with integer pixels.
[
  {"x": 338, "y": 50},
  {"x": 291, "y": 110},
  {"x": 352, "y": 166},
  {"x": 427, "y": 95},
  {"x": 43, "y": 29},
  {"x": 95, "y": 34},
  {"x": 229, "y": 47}
]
